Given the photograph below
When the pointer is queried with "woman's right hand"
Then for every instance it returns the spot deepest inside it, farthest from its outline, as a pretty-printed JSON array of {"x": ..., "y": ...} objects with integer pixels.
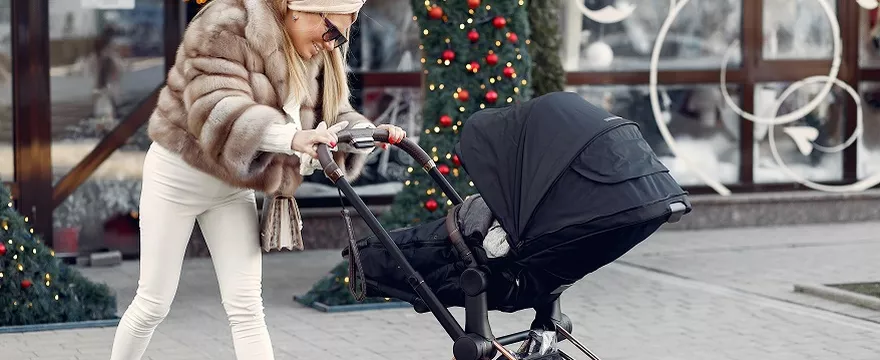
[{"x": 307, "y": 141}]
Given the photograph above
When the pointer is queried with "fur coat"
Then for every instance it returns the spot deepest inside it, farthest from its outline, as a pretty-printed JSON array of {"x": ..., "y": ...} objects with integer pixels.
[{"x": 228, "y": 84}]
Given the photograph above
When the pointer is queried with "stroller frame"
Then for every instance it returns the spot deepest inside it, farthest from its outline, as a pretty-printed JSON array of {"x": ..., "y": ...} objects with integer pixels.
[{"x": 475, "y": 341}]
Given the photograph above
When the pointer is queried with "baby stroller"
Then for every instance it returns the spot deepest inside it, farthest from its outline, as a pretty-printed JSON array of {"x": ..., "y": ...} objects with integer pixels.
[{"x": 573, "y": 187}]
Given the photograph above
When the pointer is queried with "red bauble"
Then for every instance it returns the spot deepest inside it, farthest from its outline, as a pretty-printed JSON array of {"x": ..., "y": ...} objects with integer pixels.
[
  {"x": 444, "y": 169},
  {"x": 499, "y": 22},
  {"x": 509, "y": 71},
  {"x": 513, "y": 38},
  {"x": 435, "y": 13},
  {"x": 431, "y": 205},
  {"x": 26, "y": 283},
  {"x": 474, "y": 66},
  {"x": 473, "y": 35},
  {"x": 446, "y": 121},
  {"x": 449, "y": 55},
  {"x": 473, "y": 4},
  {"x": 491, "y": 96},
  {"x": 492, "y": 59},
  {"x": 456, "y": 160},
  {"x": 464, "y": 95},
  {"x": 2, "y": 249}
]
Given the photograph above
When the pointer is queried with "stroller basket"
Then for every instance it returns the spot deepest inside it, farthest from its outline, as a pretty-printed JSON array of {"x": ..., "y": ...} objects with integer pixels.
[{"x": 474, "y": 341}]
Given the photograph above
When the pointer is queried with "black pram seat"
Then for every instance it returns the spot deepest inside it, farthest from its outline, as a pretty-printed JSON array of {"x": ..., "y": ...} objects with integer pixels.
[{"x": 573, "y": 192}]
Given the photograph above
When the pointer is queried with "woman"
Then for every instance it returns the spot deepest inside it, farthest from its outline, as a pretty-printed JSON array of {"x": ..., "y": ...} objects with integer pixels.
[{"x": 251, "y": 80}]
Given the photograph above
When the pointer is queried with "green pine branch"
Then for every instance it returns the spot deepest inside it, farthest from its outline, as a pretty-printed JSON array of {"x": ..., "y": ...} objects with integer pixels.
[{"x": 35, "y": 286}]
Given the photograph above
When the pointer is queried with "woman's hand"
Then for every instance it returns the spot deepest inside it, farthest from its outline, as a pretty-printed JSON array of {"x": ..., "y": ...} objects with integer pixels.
[
  {"x": 307, "y": 141},
  {"x": 395, "y": 134}
]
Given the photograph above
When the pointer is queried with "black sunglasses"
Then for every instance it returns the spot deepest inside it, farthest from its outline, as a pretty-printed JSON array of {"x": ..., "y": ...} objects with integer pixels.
[{"x": 333, "y": 34}]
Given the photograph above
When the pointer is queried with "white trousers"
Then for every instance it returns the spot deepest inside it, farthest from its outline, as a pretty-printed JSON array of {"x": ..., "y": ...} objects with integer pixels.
[{"x": 173, "y": 198}]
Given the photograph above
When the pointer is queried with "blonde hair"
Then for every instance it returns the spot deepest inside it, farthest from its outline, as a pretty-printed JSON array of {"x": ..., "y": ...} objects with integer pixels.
[{"x": 335, "y": 87}]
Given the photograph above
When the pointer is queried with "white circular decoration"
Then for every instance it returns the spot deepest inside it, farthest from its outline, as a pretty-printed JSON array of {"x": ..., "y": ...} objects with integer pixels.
[
  {"x": 868, "y": 4},
  {"x": 599, "y": 55},
  {"x": 609, "y": 14},
  {"x": 809, "y": 107},
  {"x": 862, "y": 185},
  {"x": 655, "y": 105}
]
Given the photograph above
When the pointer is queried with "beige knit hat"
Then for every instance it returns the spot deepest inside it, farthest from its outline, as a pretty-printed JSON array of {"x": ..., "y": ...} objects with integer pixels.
[{"x": 326, "y": 6}]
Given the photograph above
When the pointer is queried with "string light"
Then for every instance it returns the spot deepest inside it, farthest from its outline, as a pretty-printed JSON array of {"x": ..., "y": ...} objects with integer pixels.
[
  {"x": 56, "y": 297},
  {"x": 20, "y": 267}
]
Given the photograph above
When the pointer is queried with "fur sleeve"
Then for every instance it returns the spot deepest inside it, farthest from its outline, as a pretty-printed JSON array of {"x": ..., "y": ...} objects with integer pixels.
[{"x": 219, "y": 99}]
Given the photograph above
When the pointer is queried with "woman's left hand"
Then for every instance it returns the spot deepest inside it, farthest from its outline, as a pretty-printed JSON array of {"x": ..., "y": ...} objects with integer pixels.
[{"x": 395, "y": 134}]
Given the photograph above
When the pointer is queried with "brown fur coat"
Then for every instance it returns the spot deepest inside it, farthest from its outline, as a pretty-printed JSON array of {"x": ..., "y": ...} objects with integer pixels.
[{"x": 228, "y": 84}]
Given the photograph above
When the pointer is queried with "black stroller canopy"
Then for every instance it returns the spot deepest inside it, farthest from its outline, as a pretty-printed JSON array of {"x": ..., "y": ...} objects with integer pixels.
[{"x": 515, "y": 154}]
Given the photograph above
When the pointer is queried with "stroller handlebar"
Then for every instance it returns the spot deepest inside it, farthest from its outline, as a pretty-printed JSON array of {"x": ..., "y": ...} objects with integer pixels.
[{"x": 365, "y": 139}]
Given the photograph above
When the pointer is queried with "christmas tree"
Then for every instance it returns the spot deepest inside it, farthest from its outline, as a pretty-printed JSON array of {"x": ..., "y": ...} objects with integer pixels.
[
  {"x": 35, "y": 287},
  {"x": 475, "y": 56}
]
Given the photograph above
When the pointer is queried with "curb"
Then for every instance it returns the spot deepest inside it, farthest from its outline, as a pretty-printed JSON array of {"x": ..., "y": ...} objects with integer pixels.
[
  {"x": 59, "y": 326},
  {"x": 839, "y": 295},
  {"x": 354, "y": 307}
]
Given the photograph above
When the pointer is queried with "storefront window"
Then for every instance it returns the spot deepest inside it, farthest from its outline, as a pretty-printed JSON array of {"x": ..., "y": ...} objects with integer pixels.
[
  {"x": 386, "y": 38},
  {"x": 869, "y": 38},
  {"x": 621, "y": 37},
  {"x": 798, "y": 29},
  {"x": 7, "y": 161},
  {"x": 704, "y": 128},
  {"x": 810, "y": 146},
  {"x": 869, "y": 143},
  {"x": 102, "y": 213},
  {"x": 103, "y": 63}
]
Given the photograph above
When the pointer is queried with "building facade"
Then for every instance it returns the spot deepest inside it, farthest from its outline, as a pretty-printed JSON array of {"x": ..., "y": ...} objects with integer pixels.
[{"x": 735, "y": 96}]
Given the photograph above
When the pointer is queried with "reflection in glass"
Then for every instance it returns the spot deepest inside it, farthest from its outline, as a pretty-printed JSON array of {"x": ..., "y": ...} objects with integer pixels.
[
  {"x": 7, "y": 163},
  {"x": 869, "y": 37},
  {"x": 697, "y": 39},
  {"x": 705, "y": 129},
  {"x": 826, "y": 122},
  {"x": 386, "y": 38},
  {"x": 104, "y": 62},
  {"x": 797, "y": 29},
  {"x": 869, "y": 143},
  {"x": 102, "y": 213}
]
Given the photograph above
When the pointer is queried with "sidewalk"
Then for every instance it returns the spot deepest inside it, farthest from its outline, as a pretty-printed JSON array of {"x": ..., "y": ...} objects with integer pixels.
[{"x": 708, "y": 295}]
